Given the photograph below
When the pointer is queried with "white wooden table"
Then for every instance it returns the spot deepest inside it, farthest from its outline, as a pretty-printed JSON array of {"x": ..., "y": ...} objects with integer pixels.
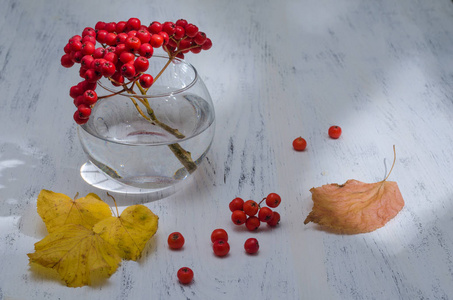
[{"x": 382, "y": 70}]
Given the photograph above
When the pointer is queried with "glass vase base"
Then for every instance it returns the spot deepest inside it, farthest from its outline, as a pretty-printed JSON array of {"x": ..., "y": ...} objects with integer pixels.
[{"x": 97, "y": 178}]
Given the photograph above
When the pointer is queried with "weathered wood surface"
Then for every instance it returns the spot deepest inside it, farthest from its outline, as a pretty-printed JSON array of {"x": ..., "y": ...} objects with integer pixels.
[{"x": 382, "y": 70}]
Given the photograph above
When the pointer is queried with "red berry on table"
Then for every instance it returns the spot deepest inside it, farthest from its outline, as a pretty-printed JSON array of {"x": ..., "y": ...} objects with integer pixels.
[
  {"x": 265, "y": 214},
  {"x": 146, "y": 81},
  {"x": 334, "y": 132},
  {"x": 252, "y": 223},
  {"x": 274, "y": 220},
  {"x": 221, "y": 248},
  {"x": 250, "y": 207},
  {"x": 236, "y": 204},
  {"x": 238, "y": 217},
  {"x": 273, "y": 200},
  {"x": 185, "y": 275},
  {"x": 299, "y": 144},
  {"x": 175, "y": 240},
  {"x": 251, "y": 246},
  {"x": 219, "y": 234}
]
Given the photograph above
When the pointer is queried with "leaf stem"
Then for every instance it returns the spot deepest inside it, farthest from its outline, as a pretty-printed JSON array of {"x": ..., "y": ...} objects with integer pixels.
[{"x": 394, "y": 160}]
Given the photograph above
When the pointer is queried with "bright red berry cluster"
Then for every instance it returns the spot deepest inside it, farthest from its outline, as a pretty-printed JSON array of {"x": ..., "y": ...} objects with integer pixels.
[
  {"x": 219, "y": 239},
  {"x": 252, "y": 214},
  {"x": 123, "y": 54}
]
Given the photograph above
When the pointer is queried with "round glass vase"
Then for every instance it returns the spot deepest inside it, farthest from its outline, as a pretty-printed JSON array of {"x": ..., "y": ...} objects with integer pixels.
[{"x": 149, "y": 143}]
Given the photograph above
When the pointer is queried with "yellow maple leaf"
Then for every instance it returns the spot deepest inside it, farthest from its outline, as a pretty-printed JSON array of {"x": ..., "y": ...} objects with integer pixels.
[
  {"x": 77, "y": 254},
  {"x": 129, "y": 232},
  {"x": 57, "y": 209}
]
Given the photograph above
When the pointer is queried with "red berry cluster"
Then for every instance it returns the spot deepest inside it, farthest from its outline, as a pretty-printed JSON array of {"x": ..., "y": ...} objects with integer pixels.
[
  {"x": 123, "y": 54},
  {"x": 252, "y": 214}
]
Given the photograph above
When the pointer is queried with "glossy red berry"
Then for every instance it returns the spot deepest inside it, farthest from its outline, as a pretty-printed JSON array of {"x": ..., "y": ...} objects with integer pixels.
[
  {"x": 133, "y": 24},
  {"x": 238, "y": 217},
  {"x": 108, "y": 69},
  {"x": 265, "y": 214},
  {"x": 169, "y": 28},
  {"x": 141, "y": 64},
  {"x": 252, "y": 223},
  {"x": 90, "y": 97},
  {"x": 273, "y": 200},
  {"x": 207, "y": 44},
  {"x": 299, "y": 144},
  {"x": 155, "y": 27},
  {"x": 251, "y": 246},
  {"x": 143, "y": 35},
  {"x": 157, "y": 40},
  {"x": 181, "y": 22},
  {"x": 146, "y": 81},
  {"x": 84, "y": 111},
  {"x": 185, "y": 275},
  {"x": 191, "y": 30},
  {"x": 126, "y": 57},
  {"x": 128, "y": 71},
  {"x": 274, "y": 220},
  {"x": 200, "y": 38},
  {"x": 78, "y": 119},
  {"x": 146, "y": 50},
  {"x": 236, "y": 204},
  {"x": 219, "y": 234},
  {"x": 175, "y": 240},
  {"x": 250, "y": 207},
  {"x": 120, "y": 26},
  {"x": 334, "y": 132},
  {"x": 133, "y": 43},
  {"x": 221, "y": 248},
  {"x": 66, "y": 61}
]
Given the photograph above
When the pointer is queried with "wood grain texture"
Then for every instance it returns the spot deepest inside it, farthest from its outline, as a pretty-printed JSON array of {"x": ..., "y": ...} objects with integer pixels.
[{"x": 382, "y": 70}]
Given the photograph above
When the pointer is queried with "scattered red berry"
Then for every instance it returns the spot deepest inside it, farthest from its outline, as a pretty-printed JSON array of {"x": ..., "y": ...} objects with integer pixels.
[
  {"x": 219, "y": 234},
  {"x": 221, "y": 248},
  {"x": 185, "y": 275},
  {"x": 251, "y": 246},
  {"x": 238, "y": 217},
  {"x": 250, "y": 207},
  {"x": 252, "y": 223},
  {"x": 274, "y": 220},
  {"x": 175, "y": 240},
  {"x": 299, "y": 144},
  {"x": 265, "y": 214},
  {"x": 236, "y": 204},
  {"x": 334, "y": 132},
  {"x": 273, "y": 200}
]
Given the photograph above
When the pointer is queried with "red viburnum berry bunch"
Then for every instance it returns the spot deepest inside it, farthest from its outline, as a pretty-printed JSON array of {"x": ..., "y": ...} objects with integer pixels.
[
  {"x": 120, "y": 51},
  {"x": 252, "y": 214}
]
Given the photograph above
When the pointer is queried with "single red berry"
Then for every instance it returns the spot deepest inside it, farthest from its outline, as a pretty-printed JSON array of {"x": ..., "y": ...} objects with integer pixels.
[
  {"x": 169, "y": 28},
  {"x": 108, "y": 69},
  {"x": 133, "y": 43},
  {"x": 236, "y": 204},
  {"x": 175, "y": 240},
  {"x": 146, "y": 50},
  {"x": 200, "y": 38},
  {"x": 75, "y": 91},
  {"x": 121, "y": 38},
  {"x": 86, "y": 61},
  {"x": 84, "y": 111},
  {"x": 179, "y": 32},
  {"x": 100, "y": 26},
  {"x": 85, "y": 85},
  {"x": 90, "y": 97},
  {"x": 143, "y": 35},
  {"x": 273, "y": 200},
  {"x": 97, "y": 64},
  {"x": 181, "y": 22},
  {"x": 219, "y": 234},
  {"x": 250, "y": 207},
  {"x": 88, "y": 31},
  {"x": 76, "y": 56},
  {"x": 141, "y": 64},
  {"x": 111, "y": 57},
  {"x": 78, "y": 119},
  {"x": 92, "y": 75},
  {"x": 120, "y": 26},
  {"x": 251, "y": 246},
  {"x": 238, "y": 217},
  {"x": 89, "y": 39},
  {"x": 185, "y": 275},
  {"x": 252, "y": 223},
  {"x": 126, "y": 57},
  {"x": 110, "y": 39},
  {"x": 133, "y": 24},
  {"x": 334, "y": 132},
  {"x": 88, "y": 48},
  {"x": 66, "y": 61},
  {"x": 111, "y": 27},
  {"x": 265, "y": 214},
  {"x": 117, "y": 78},
  {"x": 299, "y": 144},
  {"x": 99, "y": 52},
  {"x": 191, "y": 30},
  {"x": 76, "y": 45},
  {"x": 207, "y": 44},
  {"x": 146, "y": 81},
  {"x": 128, "y": 71},
  {"x": 156, "y": 40},
  {"x": 274, "y": 220},
  {"x": 155, "y": 27},
  {"x": 79, "y": 100},
  {"x": 221, "y": 247}
]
